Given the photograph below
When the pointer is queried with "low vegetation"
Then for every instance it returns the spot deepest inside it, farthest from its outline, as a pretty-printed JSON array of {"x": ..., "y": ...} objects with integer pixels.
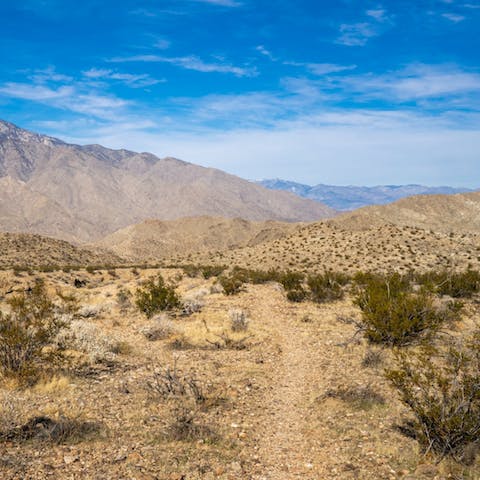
[
  {"x": 27, "y": 331},
  {"x": 442, "y": 391},
  {"x": 156, "y": 296},
  {"x": 394, "y": 314}
]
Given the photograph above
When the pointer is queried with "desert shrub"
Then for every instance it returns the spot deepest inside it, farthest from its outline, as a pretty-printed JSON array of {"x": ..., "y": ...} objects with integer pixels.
[
  {"x": 26, "y": 331},
  {"x": 87, "y": 338},
  {"x": 53, "y": 430},
  {"x": 191, "y": 270},
  {"x": 156, "y": 296},
  {"x": 123, "y": 299},
  {"x": 171, "y": 382},
  {"x": 209, "y": 271},
  {"x": 360, "y": 396},
  {"x": 442, "y": 391},
  {"x": 393, "y": 314},
  {"x": 454, "y": 284},
  {"x": 261, "y": 276},
  {"x": 239, "y": 320},
  {"x": 373, "y": 358},
  {"x": 325, "y": 287},
  {"x": 291, "y": 280},
  {"x": 231, "y": 284},
  {"x": 191, "y": 305},
  {"x": 297, "y": 295},
  {"x": 161, "y": 329}
]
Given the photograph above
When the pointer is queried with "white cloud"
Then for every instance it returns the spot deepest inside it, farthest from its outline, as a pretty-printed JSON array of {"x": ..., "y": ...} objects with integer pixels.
[
  {"x": 356, "y": 34},
  {"x": 132, "y": 80},
  {"x": 326, "y": 68},
  {"x": 336, "y": 147},
  {"x": 262, "y": 50},
  {"x": 67, "y": 97},
  {"x": 416, "y": 82},
  {"x": 454, "y": 17},
  {"x": 379, "y": 14},
  {"x": 191, "y": 62},
  {"x": 223, "y": 3}
]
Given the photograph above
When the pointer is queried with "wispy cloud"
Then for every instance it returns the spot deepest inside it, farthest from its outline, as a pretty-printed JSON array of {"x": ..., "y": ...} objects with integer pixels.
[
  {"x": 356, "y": 34},
  {"x": 223, "y": 3},
  {"x": 379, "y": 14},
  {"x": 417, "y": 82},
  {"x": 132, "y": 80},
  {"x": 454, "y": 17},
  {"x": 191, "y": 62},
  {"x": 67, "y": 97},
  {"x": 266, "y": 53},
  {"x": 359, "y": 33},
  {"x": 322, "y": 68}
]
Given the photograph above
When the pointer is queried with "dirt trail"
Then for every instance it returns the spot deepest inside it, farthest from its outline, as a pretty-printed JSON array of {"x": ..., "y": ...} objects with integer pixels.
[{"x": 284, "y": 449}]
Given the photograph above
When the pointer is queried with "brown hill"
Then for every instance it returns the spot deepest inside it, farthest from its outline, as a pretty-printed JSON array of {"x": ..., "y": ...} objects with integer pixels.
[
  {"x": 27, "y": 250},
  {"x": 155, "y": 240},
  {"x": 84, "y": 193},
  {"x": 320, "y": 246},
  {"x": 440, "y": 213}
]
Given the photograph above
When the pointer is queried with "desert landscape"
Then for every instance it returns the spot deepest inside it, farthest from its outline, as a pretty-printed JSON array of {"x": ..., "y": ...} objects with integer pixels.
[
  {"x": 216, "y": 347},
  {"x": 239, "y": 240}
]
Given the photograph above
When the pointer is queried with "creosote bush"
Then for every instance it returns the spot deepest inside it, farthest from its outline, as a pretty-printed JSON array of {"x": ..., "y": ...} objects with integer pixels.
[
  {"x": 394, "y": 314},
  {"x": 27, "y": 331},
  {"x": 156, "y": 296},
  {"x": 442, "y": 391},
  {"x": 326, "y": 287},
  {"x": 454, "y": 284}
]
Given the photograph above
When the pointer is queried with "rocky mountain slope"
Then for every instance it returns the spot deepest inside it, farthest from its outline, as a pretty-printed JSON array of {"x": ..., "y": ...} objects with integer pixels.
[
  {"x": 351, "y": 197},
  {"x": 155, "y": 240},
  {"x": 82, "y": 193}
]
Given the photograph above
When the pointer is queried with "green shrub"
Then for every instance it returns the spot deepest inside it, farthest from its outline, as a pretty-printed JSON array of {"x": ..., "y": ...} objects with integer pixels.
[
  {"x": 156, "y": 296},
  {"x": 442, "y": 390},
  {"x": 393, "y": 314},
  {"x": 25, "y": 333},
  {"x": 291, "y": 280},
  {"x": 454, "y": 284},
  {"x": 209, "y": 271},
  {"x": 297, "y": 295},
  {"x": 231, "y": 284},
  {"x": 326, "y": 287}
]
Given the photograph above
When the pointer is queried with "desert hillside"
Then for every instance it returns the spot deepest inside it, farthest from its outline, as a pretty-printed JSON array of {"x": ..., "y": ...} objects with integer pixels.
[
  {"x": 82, "y": 193},
  {"x": 440, "y": 213},
  {"x": 155, "y": 240},
  {"x": 320, "y": 246},
  {"x": 22, "y": 250}
]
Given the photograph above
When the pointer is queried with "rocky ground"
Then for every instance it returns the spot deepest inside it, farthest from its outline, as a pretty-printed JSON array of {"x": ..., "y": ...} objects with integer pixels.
[{"x": 291, "y": 397}]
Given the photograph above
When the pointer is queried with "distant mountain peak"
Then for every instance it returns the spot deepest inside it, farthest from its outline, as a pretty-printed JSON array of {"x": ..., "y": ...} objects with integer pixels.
[{"x": 9, "y": 131}]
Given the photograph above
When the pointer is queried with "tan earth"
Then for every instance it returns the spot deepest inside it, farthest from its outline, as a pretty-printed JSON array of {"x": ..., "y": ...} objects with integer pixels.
[{"x": 275, "y": 408}]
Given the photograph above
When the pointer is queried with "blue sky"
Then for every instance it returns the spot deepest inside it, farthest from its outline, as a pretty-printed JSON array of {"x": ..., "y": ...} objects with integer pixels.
[{"x": 339, "y": 92}]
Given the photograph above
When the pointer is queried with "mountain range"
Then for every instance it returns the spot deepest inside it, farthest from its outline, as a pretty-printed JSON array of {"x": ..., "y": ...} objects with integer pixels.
[
  {"x": 344, "y": 198},
  {"x": 82, "y": 193}
]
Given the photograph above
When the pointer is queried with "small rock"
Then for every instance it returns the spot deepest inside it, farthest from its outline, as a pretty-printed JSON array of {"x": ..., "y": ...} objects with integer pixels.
[{"x": 68, "y": 459}]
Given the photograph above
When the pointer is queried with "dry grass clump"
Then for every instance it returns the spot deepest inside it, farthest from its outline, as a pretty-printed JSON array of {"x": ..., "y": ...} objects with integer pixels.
[
  {"x": 52, "y": 430},
  {"x": 239, "y": 320},
  {"x": 362, "y": 397},
  {"x": 188, "y": 398},
  {"x": 162, "y": 328}
]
